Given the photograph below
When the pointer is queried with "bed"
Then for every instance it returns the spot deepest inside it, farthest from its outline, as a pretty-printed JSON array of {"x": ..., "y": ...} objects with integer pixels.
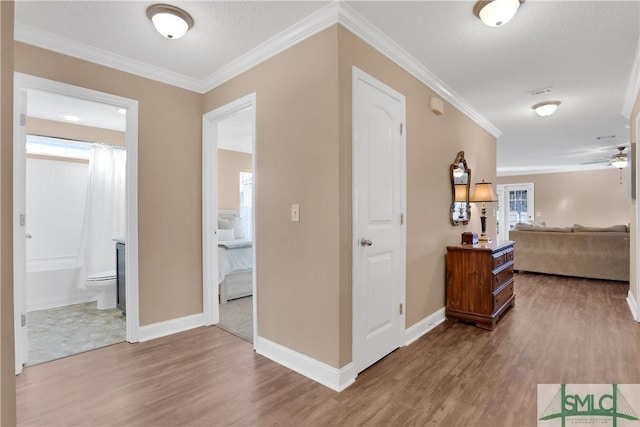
[{"x": 235, "y": 260}]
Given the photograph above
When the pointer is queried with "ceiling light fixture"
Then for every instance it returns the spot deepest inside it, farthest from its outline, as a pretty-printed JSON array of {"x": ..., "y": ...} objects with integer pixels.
[
  {"x": 546, "y": 108},
  {"x": 495, "y": 13},
  {"x": 620, "y": 163},
  {"x": 71, "y": 118},
  {"x": 170, "y": 21}
]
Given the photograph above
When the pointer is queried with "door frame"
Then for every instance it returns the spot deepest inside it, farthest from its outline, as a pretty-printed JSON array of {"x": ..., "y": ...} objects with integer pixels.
[
  {"x": 502, "y": 190},
  {"x": 210, "y": 121},
  {"x": 636, "y": 212},
  {"x": 23, "y": 82},
  {"x": 357, "y": 75}
]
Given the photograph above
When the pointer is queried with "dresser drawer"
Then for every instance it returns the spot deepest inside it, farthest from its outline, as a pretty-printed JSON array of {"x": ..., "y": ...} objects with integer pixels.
[
  {"x": 502, "y": 296},
  {"x": 502, "y": 276},
  {"x": 501, "y": 258}
]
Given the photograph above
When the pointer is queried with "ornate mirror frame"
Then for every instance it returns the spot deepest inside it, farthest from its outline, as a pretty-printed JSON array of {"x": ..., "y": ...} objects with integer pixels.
[{"x": 460, "y": 175}]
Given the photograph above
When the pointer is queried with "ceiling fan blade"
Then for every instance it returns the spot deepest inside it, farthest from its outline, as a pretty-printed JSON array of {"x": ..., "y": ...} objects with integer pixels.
[{"x": 596, "y": 161}]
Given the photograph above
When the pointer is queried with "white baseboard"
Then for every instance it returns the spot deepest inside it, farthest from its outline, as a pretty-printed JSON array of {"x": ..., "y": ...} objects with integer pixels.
[
  {"x": 334, "y": 378},
  {"x": 168, "y": 327},
  {"x": 40, "y": 305},
  {"x": 425, "y": 325},
  {"x": 633, "y": 306}
]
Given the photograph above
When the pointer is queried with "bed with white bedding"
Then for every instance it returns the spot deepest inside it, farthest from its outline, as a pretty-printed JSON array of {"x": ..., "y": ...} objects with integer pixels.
[
  {"x": 235, "y": 260},
  {"x": 235, "y": 263}
]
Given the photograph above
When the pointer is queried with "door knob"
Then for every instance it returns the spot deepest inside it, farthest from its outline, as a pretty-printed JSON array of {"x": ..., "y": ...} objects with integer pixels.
[
  {"x": 28, "y": 236},
  {"x": 365, "y": 242}
]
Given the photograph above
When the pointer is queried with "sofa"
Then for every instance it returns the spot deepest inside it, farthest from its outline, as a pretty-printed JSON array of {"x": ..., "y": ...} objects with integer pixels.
[{"x": 591, "y": 252}]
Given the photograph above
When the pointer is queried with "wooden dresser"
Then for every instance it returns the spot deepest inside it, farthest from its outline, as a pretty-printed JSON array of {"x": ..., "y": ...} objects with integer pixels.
[{"x": 479, "y": 282}]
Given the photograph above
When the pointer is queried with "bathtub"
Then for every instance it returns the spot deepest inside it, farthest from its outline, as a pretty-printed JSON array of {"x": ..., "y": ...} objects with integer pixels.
[{"x": 53, "y": 282}]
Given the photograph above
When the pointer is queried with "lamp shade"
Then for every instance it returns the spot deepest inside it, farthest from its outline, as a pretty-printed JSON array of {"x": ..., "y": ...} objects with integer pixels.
[
  {"x": 460, "y": 193},
  {"x": 483, "y": 192}
]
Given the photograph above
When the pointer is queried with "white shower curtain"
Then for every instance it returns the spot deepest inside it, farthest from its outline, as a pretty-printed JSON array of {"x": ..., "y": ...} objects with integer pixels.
[{"x": 105, "y": 212}]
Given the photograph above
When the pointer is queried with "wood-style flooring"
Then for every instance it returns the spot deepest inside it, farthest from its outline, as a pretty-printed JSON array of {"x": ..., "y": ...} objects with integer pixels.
[{"x": 562, "y": 330}]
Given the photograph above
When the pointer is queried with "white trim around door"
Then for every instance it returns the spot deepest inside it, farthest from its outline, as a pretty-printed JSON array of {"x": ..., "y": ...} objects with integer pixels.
[
  {"x": 22, "y": 83},
  {"x": 634, "y": 303},
  {"x": 210, "y": 122}
]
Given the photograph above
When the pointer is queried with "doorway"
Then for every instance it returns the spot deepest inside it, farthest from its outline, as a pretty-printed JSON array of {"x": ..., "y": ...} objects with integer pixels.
[
  {"x": 379, "y": 230},
  {"x": 229, "y": 212},
  {"x": 515, "y": 205},
  {"x": 24, "y": 86}
]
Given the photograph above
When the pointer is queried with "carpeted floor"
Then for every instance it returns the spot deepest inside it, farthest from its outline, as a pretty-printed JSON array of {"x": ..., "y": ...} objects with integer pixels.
[
  {"x": 72, "y": 329},
  {"x": 236, "y": 317}
]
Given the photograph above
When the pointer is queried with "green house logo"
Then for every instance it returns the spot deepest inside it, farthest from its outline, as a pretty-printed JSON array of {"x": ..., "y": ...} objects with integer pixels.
[{"x": 584, "y": 406}]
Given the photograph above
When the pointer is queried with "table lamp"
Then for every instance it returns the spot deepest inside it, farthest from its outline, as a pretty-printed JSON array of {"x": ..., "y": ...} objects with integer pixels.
[{"x": 482, "y": 193}]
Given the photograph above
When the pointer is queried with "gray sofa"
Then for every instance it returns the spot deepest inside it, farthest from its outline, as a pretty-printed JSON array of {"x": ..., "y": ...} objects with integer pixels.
[{"x": 592, "y": 252}]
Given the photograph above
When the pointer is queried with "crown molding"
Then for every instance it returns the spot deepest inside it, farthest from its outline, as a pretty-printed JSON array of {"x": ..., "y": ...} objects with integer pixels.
[
  {"x": 540, "y": 170},
  {"x": 358, "y": 25},
  {"x": 633, "y": 88},
  {"x": 282, "y": 41},
  {"x": 334, "y": 12},
  {"x": 36, "y": 37}
]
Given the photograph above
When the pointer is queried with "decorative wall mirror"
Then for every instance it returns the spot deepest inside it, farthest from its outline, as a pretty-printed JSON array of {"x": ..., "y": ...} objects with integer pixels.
[{"x": 460, "y": 174}]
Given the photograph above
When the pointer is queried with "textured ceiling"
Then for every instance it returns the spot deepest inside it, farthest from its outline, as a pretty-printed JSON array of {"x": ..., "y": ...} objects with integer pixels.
[{"x": 583, "y": 50}]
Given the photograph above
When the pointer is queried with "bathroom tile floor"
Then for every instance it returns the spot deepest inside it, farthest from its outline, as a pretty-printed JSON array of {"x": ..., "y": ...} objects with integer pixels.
[{"x": 63, "y": 331}]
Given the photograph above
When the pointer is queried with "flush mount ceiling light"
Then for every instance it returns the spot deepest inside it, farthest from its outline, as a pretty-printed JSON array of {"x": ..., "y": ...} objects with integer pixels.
[
  {"x": 170, "y": 21},
  {"x": 495, "y": 13},
  {"x": 71, "y": 118},
  {"x": 546, "y": 108}
]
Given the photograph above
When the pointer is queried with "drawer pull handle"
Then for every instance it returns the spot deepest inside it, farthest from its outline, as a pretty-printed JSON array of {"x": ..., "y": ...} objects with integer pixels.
[
  {"x": 497, "y": 279},
  {"x": 498, "y": 300}
]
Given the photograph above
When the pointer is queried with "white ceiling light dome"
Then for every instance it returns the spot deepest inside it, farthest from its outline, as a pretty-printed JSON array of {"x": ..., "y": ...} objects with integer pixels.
[
  {"x": 495, "y": 13},
  {"x": 170, "y": 21},
  {"x": 546, "y": 108}
]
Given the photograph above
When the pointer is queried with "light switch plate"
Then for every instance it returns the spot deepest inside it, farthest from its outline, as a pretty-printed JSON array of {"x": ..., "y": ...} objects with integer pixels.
[{"x": 295, "y": 213}]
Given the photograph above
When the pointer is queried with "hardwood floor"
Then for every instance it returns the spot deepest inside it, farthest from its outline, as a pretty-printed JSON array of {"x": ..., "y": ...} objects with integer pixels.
[{"x": 562, "y": 330}]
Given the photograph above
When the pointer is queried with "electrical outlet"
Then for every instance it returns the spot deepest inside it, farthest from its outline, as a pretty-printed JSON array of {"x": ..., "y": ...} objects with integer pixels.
[{"x": 295, "y": 213}]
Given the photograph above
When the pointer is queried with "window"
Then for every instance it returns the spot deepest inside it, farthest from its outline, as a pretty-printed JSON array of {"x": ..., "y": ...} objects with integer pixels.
[
  {"x": 246, "y": 203},
  {"x": 57, "y": 147}
]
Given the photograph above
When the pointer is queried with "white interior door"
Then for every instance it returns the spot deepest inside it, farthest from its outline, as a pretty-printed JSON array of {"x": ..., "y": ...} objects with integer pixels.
[
  {"x": 379, "y": 182},
  {"x": 20, "y": 230},
  {"x": 515, "y": 204}
]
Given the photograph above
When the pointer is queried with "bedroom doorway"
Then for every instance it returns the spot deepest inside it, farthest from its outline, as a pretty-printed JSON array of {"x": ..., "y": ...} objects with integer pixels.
[{"x": 229, "y": 193}]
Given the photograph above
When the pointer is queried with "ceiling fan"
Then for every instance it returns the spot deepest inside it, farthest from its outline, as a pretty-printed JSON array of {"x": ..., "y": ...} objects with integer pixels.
[{"x": 618, "y": 160}]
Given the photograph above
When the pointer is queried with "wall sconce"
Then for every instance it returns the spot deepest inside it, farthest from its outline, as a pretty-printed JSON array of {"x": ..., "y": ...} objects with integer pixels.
[
  {"x": 483, "y": 192},
  {"x": 170, "y": 21},
  {"x": 437, "y": 106}
]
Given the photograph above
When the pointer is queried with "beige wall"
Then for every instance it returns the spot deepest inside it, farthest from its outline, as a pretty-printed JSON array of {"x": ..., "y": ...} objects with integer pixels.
[
  {"x": 169, "y": 178},
  {"x": 304, "y": 156},
  {"x": 7, "y": 353},
  {"x": 230, "y": 163},
  {"x": 432, "y": 144},
  {"x": 43, "y": 127},
  {"x": 591, "y": 198},
  {"x": 297, "y": 162}
]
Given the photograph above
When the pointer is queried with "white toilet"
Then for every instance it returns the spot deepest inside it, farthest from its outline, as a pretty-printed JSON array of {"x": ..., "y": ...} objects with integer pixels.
[{"x": 104, "y": 285}]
